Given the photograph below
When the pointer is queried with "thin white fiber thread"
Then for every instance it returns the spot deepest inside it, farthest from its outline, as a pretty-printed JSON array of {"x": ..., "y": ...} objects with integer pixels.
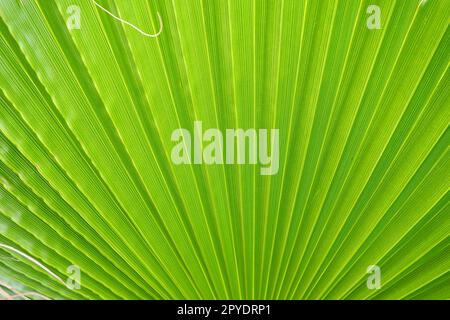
[
  {"x": 31, "y": 259},
  {"x": 132, "y": 25}
]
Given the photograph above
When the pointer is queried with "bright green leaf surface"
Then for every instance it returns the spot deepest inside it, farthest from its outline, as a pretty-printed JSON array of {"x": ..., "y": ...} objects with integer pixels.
[{"x": 86, "y": 117}]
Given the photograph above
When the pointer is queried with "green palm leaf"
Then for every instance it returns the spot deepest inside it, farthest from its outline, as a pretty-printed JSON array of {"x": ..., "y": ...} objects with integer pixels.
[{"x": 86, "y": 120}]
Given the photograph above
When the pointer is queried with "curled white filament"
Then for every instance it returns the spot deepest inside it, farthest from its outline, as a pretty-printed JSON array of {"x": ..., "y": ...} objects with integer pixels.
[
  {"x": 152, "y": 35},
  {"x": 31, "y": 259}
]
